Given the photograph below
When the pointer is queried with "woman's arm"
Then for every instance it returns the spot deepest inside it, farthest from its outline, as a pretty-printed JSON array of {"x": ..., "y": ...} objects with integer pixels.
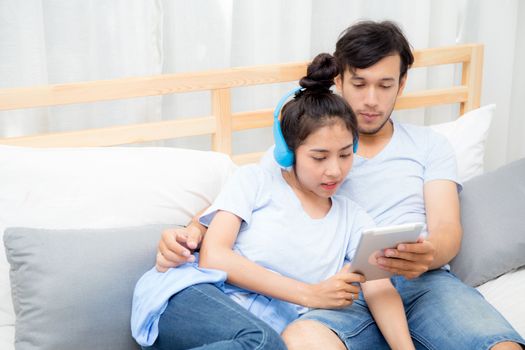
[
  {"x": 216, "y": 252},
  {"x": 387, "y": 308}
]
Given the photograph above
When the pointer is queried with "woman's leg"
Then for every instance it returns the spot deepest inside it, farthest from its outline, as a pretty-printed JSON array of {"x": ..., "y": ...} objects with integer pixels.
[
  {"x": 350, "y": 328},
  {"x": 311, "y": 335},
  {"x": 202, "y": 316}
]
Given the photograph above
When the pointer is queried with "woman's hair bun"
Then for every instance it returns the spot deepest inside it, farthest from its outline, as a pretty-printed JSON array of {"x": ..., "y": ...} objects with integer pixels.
[{"x": 320, "y": 74}]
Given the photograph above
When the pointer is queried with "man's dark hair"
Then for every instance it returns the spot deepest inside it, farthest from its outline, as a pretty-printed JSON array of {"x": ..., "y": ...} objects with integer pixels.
[{"x": 367, "y": 42}]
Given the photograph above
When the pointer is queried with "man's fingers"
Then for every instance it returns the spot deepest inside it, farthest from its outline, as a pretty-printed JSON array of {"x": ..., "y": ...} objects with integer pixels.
[
  {"x": 179, "y": 245},
  {"x": 173, "y": 250},
  {"x": 418, "y": 248},
  {"x": 162, "y": 264},
  {"x": 405, "y": 256},
  {"x": 395, "y": 263},
  {"x": 193, "y": 239},
  {"x": 406, "y": 268}
]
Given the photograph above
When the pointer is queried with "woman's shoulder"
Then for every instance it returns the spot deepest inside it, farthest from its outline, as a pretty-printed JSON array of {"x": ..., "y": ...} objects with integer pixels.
[
  {"x": 255, "y": 172},
  {"x": 253, "y": 177}
]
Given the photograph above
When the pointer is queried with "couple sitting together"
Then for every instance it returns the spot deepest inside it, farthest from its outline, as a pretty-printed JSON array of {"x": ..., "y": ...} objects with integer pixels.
[{"x": 275, "y": 246}]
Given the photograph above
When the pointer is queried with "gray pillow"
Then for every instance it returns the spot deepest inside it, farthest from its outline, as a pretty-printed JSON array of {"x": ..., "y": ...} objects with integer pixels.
[
  {"x": 493, "y": 219},
  {"x": 72, "y": 289}
]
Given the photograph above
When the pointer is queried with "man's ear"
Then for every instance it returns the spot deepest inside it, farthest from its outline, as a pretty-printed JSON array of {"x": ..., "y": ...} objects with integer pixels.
[
  {"x": 402, "y": 84},
  {"x": 339, "y": 83}
]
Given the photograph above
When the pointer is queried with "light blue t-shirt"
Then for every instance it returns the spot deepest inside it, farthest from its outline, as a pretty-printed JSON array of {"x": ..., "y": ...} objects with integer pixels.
[
  {"x": 278, "y": 234},
  {"x": 389, "y": 186}
]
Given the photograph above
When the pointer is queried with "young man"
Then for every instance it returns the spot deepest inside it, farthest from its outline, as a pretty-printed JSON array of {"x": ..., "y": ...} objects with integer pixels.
[{"x": 401, "y": 174}]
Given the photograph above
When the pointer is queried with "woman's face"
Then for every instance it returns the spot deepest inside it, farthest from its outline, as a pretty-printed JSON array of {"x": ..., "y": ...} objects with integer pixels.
[{"x": 324, "y": 159}]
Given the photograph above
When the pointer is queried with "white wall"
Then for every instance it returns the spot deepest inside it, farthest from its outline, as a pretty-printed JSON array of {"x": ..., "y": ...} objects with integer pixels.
[{"x": 60, "y": 41}]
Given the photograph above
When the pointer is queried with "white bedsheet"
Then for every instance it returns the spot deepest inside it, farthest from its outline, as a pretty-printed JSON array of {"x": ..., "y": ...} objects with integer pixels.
[
  {"x": 506, "y": 293},
  {"x": 7, "y": 337}
]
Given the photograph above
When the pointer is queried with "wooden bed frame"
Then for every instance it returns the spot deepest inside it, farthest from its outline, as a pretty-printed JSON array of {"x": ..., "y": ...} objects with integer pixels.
[{"x": 221, "y": 123}]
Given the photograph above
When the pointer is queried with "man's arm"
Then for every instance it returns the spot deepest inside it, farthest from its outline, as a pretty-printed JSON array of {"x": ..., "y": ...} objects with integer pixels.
[
  {"x": 177, "y": 245},
  {"x": 444, "y": 234},
  {"x": 443, "y": 220}
]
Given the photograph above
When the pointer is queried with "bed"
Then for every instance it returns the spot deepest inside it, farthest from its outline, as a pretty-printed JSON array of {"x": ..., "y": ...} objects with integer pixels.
[{"x": 80, "y": 220}]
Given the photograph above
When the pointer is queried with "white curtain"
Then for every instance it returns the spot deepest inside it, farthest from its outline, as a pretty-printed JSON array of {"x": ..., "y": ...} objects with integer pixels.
[{"x": 60, "y": 41}]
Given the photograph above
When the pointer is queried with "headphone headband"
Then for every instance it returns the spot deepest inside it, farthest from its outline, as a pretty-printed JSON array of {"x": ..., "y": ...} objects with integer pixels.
[{"x": 282, "y": 153}]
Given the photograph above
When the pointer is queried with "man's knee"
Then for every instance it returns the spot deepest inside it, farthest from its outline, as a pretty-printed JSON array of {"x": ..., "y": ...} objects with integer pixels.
[
  {"x": 310, "y": 334},
  {"x": 507, "y": 346}
]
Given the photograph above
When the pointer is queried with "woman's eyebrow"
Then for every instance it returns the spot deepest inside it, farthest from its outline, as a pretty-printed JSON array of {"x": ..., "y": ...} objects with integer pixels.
[{"x": 322, "y": 150}]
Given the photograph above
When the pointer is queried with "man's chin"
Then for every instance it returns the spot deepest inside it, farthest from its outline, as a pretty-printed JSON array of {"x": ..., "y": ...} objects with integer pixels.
[
  {"x": 369, "y": 131},
  {"x": 372, "y": 129}
]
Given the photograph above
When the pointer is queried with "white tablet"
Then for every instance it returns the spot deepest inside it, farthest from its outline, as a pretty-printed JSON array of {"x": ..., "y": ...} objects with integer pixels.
[{"x": 373, "y": 242}]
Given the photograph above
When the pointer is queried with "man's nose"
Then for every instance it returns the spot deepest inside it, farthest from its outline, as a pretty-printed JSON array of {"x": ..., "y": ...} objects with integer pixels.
[{"x": 371, "y": 96}]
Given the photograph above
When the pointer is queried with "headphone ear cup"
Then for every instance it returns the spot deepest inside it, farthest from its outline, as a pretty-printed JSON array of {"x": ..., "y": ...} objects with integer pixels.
[{"x": 282, "y": 154}]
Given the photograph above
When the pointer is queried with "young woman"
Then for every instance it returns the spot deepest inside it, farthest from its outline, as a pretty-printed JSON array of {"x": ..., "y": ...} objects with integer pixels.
[{"x": 282, "y": 238}]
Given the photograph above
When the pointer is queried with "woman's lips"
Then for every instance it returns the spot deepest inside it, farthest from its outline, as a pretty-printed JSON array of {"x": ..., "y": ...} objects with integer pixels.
[{"x": 329, "y": 186}]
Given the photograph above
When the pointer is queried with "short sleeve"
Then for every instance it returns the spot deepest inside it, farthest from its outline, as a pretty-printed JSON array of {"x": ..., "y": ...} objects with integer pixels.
[
  {"x": 240, "y": 195},
  {"x": 441, "y": 161},
  {"x": 359, "y": 221},
  {"x": 269, "y": 163}
]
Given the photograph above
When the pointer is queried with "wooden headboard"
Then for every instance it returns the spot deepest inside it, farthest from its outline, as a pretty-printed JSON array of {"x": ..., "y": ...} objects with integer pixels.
[{"x": 221, "y": 122}]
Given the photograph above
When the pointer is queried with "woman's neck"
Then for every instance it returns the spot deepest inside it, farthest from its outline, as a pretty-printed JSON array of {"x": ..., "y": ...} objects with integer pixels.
[{"x": 314, "y": 205}]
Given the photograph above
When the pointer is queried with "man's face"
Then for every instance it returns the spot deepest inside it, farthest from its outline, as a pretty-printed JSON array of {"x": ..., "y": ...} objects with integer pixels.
[{"x": 372, "y": 92}]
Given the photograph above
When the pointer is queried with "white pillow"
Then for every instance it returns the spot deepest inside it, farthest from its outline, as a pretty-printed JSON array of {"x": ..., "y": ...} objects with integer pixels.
[
  {"x": 468, "y": 134},
  {"x": 102, "y": 188}
]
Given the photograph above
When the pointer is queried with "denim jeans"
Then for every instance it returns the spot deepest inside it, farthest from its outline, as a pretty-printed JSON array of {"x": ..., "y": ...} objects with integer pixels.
[
  {"x": 442, "y": 313},
  {"x": 203, "y": 317}
]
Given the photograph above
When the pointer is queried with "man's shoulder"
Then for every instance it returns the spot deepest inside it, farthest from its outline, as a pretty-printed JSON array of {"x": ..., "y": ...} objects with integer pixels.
[
  {"x": 412, "y": 129},
  {"x": 419, "y": 133}
]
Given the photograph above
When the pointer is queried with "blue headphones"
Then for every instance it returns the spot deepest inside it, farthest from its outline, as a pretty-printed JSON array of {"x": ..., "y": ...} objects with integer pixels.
[{"x": 282, "y": 153}]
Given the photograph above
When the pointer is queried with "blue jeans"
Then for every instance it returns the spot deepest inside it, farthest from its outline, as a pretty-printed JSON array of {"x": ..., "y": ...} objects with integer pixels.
[
  {"x": 442, "y": 313},
  {"x": 203, "y": 317}
]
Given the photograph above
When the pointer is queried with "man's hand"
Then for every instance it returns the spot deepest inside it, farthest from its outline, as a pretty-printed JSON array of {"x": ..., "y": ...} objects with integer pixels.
[
  {"x": 176, "y": 247},
  {"x": 409, "y": 259}
]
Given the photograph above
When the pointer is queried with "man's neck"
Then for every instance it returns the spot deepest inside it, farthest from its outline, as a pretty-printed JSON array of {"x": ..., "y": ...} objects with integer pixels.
[{"x": 372, "y": 144}]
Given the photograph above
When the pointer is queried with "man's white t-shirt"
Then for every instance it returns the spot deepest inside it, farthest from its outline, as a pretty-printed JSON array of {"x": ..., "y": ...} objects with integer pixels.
[{"x": 390, "y": 185}]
